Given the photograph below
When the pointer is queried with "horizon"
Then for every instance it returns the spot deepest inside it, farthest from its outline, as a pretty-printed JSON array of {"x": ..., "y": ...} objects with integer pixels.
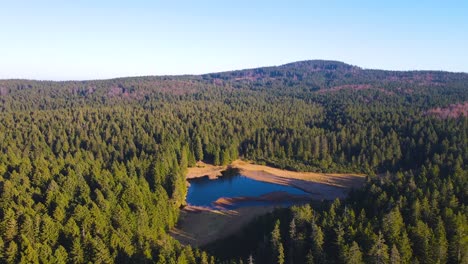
[
  {"x": 206, "y": 73},
  {"x": 71, "y": 41}
]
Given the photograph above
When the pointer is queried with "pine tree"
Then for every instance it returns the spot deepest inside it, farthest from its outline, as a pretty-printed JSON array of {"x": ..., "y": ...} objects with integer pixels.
[
  {"x": 11, "y": 253},
  {"x": 458, "y": 245},
  {"x": 421, "y": 237},
  {"x": 198, "y": 149},
  {"x": 404, "y": 248},
  {"x": 2, "y": 248},
  {"x": 225, "y": 158},
  {"x": 61, "y": 255},
  {"x": 28, "y": 252},
  {"x": 182, "y": 259},
  {"x": 251, "y": 259},
  {"x": 217, "y": 159},
  {"x": 353, "y": 255},
  {"x": 440, "y": 244},
  {"x": 292, "y": 229},
  {"x": 9, "y": 226},
  {"x": 379, "y": 251},
  {"x": 76, "y": 254},
  {"x": 277, "y": 246},
  {"x": 183, "y": 162},
  {"x": 392, "y": 224},
  {"x": 309, "y": 258},
  {"x": 292, "y": 239},
  {"x": 323, "y": 147},
  {"x": 395, "y": 256},
  {"x": 204, "y": 258},
  {"x": 101, "y": 253},
  {"x": 317, "y": 241},
  {"x": 191, "y": 159}
]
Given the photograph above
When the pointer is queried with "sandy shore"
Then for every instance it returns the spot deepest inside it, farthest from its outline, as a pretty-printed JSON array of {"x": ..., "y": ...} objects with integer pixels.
[
  {"x": 203, "y": 169},
  {"x": 326, "y": 186}
]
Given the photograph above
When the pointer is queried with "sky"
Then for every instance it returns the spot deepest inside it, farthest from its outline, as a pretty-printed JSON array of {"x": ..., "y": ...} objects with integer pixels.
[{"x": 88, "y": 39}]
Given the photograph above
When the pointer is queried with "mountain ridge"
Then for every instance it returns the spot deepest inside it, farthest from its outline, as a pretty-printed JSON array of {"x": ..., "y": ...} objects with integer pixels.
[
  {"x": 316, "y": 64},
  {"x": 301, "y": 79}
]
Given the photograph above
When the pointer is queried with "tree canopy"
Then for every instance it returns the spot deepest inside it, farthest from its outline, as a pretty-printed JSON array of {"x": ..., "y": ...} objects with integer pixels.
[{"x": 94, "y": 171}]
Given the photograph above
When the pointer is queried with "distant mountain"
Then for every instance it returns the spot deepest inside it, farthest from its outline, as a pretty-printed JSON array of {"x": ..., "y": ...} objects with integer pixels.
[
  {"x": 322, "y": 74},
  {"x": 299, "y": 79}
]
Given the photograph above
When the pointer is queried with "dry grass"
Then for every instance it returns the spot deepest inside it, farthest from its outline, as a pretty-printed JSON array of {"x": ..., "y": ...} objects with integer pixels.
[{"x": 203, "y": 169}]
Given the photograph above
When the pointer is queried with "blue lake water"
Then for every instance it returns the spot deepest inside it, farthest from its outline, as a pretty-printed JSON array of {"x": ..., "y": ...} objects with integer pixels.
[{"x": 203, "y": 191}]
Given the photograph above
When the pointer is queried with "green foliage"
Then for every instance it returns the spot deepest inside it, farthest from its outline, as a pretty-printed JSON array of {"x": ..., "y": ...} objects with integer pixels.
[
  {"x": 277, "y": 245},
  {"x": 353, "y": 255},
  {"x": 94, "y": 171}
]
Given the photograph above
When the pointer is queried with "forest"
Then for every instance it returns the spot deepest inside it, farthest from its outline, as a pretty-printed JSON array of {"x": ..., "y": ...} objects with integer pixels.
[{"x": 94, "y": 171}]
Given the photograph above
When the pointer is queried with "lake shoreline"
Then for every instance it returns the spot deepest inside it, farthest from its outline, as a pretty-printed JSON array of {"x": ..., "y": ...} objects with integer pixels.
[
  {"x": 200, "y": 225},
  {"x": 321, "y": 186}
]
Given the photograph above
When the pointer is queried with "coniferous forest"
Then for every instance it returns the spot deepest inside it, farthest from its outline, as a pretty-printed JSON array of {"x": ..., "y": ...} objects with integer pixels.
[{"x": 94, "y": 171}]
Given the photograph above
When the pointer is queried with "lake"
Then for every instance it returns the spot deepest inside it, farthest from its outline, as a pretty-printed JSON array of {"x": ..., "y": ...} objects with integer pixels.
[{"x": 203, "y": 191}]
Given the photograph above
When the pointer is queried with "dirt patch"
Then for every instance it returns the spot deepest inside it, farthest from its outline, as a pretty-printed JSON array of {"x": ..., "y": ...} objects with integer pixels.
[
  {"x": 203, "y": 169},
  {"x": 199, "y": 226}
]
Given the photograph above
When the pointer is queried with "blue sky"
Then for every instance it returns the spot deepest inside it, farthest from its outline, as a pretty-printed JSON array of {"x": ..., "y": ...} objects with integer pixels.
[{"x": 85, "y": 39}]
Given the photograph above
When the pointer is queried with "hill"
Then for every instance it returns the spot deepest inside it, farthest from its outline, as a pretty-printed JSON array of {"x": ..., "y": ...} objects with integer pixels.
[{"x": 299, "y": 79}]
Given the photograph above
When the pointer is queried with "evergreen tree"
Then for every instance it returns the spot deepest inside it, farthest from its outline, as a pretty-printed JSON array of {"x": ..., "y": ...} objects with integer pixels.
[
  {"x": 251, "y": 259},
  {"x": 11, "y": 252},
  {"x": 404, "y": 248},
  {"x": 217, "y": 159},
  {"x": 309, "y": 258},
  {"x": 277, "y": 246},
  {"x": 198, "y": 149},
  {"x": 353, "y": 255},
  {"x": 440, "y": 244},
  {"x": 395, "y": 256},
  {"x": 77, "y": 254},
  {"x": 379, "y": 251},
  {"x": 317, "y": 241}
]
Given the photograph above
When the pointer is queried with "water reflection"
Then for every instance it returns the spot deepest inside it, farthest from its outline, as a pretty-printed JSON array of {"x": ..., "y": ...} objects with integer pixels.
[{"x": 203, "y": 191}]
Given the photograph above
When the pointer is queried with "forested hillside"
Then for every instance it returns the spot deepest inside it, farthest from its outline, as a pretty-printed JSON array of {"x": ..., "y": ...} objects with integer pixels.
[{"x": 94, "y": 171}]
